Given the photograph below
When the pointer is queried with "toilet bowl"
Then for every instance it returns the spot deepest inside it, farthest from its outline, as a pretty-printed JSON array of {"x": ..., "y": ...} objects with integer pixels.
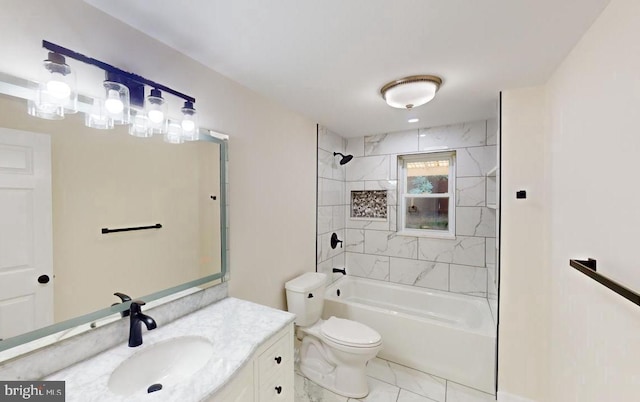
[{"x": 333, "y": 353}]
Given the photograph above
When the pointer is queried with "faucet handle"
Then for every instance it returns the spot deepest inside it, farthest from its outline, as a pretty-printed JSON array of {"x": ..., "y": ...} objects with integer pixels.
[
  {"x": 122, "y": 296},
  {"x": 135, "y": 306}
]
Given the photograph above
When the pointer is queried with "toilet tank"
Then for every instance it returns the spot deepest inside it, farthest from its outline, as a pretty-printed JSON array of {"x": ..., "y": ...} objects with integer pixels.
[{"x": 305, "y": 297}]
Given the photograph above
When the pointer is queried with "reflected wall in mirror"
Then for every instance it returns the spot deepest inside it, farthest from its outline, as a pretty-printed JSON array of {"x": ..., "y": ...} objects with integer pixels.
[{"x": 61, "y": 183}]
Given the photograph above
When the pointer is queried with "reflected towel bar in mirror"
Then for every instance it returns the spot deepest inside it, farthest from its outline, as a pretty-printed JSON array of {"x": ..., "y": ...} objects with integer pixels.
[
  {"x": 107, "y": 230},
  {"x": 588, "y": 268}
]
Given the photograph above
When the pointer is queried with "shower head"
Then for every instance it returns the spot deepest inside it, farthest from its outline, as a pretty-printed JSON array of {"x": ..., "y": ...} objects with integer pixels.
[{"x": 345, "y": 158}]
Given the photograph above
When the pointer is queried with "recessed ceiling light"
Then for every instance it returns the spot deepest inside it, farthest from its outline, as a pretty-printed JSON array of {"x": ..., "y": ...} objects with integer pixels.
[{"x": 414, "y": 120}]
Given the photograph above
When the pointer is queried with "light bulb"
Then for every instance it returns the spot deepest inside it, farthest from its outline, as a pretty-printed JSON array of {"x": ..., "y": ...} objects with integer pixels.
[
  {"x": 188, "y": 125},
  {"x": 57, "y": 87},
  {"x": 113, "y": 104},
  {"x": 156, "y": 116}
]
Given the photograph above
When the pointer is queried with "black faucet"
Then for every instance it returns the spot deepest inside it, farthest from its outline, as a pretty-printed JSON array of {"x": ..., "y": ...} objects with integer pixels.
[
  {"x": 135, "y": 318},
  {"x": 343, "y": 271}
]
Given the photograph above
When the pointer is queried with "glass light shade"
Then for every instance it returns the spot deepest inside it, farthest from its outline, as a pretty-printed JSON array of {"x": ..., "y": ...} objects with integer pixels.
[
  {"x": 156, "y": 110},
  {"x": 410, "y": 94},
  {"x": 98, "y": 117},
  {"x": 189, "y": 123},
  {"x": 44, "y": 111},
  {"x": 117, "y": 102},
  {"x": 139, "y": 127},
  {"x": 56, "y": 90},
  {"x": 412, "y": 91},
  {"x": 174, "y": 134}
]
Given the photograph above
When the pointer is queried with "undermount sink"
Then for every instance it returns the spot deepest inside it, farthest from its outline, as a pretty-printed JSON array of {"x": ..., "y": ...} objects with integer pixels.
[{"x": 166, "y": 363}]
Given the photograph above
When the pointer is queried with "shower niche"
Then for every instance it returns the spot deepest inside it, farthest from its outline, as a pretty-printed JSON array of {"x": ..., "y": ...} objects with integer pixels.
[{"x": 369, "y": 204}]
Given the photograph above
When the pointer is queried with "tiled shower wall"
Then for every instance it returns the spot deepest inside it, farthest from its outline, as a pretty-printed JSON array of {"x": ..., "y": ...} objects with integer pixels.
[
  {"x": 332, "y": 207},
  {"x": 373, "y": 249}
]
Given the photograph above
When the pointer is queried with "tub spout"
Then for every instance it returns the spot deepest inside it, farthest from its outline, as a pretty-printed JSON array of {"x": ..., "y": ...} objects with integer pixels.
[{"x": 343, "y": 271}]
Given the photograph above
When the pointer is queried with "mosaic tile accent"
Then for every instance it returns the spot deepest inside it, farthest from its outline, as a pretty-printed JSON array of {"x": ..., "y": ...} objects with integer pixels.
[{"x": 369, "y": 204}]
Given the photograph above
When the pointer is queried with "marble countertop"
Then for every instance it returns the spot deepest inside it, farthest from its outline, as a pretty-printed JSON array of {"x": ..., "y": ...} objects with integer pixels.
[{"x": 236, "y": 328}]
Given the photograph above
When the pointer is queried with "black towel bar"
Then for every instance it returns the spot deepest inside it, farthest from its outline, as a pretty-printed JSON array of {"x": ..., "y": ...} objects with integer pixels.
[
  {"x": 588, "y": 268},
  {"x": 107, "y": 230}
]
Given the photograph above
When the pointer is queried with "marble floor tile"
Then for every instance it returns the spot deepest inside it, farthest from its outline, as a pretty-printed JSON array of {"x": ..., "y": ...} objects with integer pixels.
[
  {"x": 408, "y": 379},
  {"x": 380, "y": 392},
  {"x": 406, "y": 396},
  {"x": 308, "y": 391},
  {"x": 460, "y": 393}
]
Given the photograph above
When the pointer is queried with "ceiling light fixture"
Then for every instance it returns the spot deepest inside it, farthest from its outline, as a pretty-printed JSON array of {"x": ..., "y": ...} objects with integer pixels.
[
  {"x": 409, "y": 92},
  {"x": 123, "y": 103},
  {"x": 414, "y": 120}
]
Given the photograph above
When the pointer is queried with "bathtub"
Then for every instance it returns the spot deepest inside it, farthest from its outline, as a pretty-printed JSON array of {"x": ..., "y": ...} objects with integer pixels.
[{"x": 445, "y": 334}]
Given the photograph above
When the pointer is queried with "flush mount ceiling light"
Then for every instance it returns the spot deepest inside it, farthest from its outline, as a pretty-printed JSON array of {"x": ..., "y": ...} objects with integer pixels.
[
  {"x": 409, "y": 92},
  {"x": 124, "y": 101}
]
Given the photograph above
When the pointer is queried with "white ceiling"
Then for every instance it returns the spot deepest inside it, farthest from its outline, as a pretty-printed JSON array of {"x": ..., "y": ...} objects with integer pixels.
[{"x": 327, "y": 59}]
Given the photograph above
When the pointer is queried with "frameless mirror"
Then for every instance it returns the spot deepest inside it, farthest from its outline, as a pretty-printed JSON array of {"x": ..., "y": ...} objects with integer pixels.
[{"x": 87, "y": 213}]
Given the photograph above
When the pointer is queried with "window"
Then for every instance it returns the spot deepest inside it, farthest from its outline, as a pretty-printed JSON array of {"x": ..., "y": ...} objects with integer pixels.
[{"x": 426, "y": 202}]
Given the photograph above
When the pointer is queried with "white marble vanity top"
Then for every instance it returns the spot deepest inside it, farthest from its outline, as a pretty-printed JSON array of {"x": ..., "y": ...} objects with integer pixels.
[{"x": 236, "y": 328}]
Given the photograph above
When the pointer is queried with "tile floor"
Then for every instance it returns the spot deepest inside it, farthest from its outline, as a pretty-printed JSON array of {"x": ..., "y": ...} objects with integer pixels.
[{"x": 390, "y": 382}]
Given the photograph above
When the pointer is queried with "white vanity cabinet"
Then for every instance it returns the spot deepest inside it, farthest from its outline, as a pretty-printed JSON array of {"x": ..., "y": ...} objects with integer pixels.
[{"x": 267, "y": 377}]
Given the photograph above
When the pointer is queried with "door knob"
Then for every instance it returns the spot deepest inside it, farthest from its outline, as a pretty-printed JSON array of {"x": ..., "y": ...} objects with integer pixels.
[{"x": 43, "y": 279}]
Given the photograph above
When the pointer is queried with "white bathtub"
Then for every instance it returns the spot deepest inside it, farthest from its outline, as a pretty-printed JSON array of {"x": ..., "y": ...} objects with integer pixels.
[{"x": 445, "y": 334}]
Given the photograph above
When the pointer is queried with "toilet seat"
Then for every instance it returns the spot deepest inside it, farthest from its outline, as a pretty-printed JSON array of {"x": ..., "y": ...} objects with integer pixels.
[{"x": 349, "y": 333}]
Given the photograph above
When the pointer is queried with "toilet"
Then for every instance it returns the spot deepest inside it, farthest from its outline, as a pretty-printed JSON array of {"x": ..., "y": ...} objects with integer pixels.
[{"x": 335, "y": 352}]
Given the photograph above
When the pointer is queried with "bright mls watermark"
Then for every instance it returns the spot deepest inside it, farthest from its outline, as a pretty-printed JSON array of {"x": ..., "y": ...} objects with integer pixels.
[{"x": 33, "y": 391}]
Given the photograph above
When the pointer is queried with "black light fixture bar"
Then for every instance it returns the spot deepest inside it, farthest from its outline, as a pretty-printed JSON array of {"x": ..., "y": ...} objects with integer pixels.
[{"x": 113, "y": 70}]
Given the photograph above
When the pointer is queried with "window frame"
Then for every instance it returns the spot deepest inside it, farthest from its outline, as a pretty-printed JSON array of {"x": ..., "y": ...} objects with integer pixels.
[{"x": 403, "y": 195}]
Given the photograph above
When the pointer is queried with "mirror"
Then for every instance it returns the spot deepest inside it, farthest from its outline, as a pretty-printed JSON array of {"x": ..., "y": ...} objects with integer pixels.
[{"x": 86, "y": 213}]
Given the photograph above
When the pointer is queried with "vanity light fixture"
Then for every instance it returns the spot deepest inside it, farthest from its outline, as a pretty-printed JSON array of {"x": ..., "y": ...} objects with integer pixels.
[
  {"x": 116, "y": 102},
  {"x": 124, "y": 101},
  {"x": 189, "y": 123},
  {"x": 138, "y": 126},
  {"x": 155, "y": 108},
  {"x": 412, "y": 91},
  {"x": 174, "y": 134},
  {"x": 56, "y": 92},
  {"x": 98, "y": 116}
]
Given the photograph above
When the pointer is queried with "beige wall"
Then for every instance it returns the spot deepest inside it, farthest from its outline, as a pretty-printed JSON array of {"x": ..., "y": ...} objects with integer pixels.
[
  {"x": 592, "y": 104},
  {"x": 594, "y": 99},
  {"x": 272, "y": 163},
  {"x": 523, "y": 337}
]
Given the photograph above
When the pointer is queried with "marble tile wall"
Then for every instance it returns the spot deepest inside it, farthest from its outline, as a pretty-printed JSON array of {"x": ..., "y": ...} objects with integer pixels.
[
  {"x": 375, "y": 250},
  {"x": 332, "y": 202},
  {"x": 493, "y": 182}
]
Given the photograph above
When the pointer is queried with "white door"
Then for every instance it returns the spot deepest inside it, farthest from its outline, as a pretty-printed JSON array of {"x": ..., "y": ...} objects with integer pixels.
[{"x": 26, "y": 255}]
